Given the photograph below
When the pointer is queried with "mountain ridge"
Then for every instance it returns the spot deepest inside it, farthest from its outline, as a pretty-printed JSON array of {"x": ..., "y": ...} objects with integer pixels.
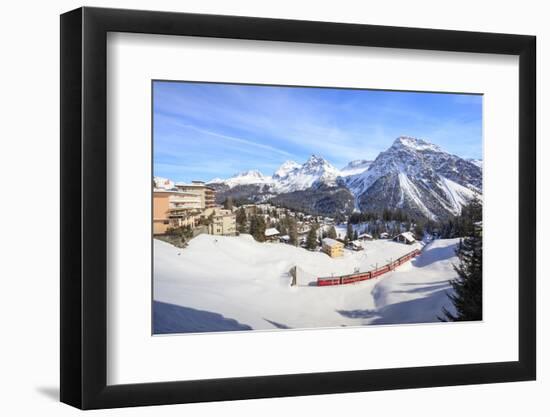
[{"x": 412, "y": 174}]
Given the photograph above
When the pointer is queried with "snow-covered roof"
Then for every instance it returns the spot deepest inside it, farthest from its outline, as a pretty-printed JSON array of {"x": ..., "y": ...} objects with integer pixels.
[
  {"x": 271, "y": 232},
  {"x": 384, "y": 234},
  {"x": 331, "y": 242},
  {"x": 364, "y": 236},
  {"x": 408, "y": 236},
  {"x": 357, "y": 243},
  {"x": 285, "y": 237}
]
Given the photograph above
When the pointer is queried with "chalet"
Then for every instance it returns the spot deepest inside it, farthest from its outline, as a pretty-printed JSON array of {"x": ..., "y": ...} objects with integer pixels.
[
  {"x": 364, "y": 236},
  {"x": 356, "y": 245},
  {"x": 405, "y": 237},
  {"x": 284, "y": 238},
  {"x": 271, "y": 234},
  {"x": 332, "y": 247},
  {"x": 384, "y": 235}
]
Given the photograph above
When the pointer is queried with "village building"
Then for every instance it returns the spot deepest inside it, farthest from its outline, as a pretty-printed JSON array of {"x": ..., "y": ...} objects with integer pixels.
[
  {"x": 271, "y": 234},
  {"x": 333, "y": 248},
  {"x": 384, "y": 235},
  {"x": 223, "y": 222},
  {"x": 405, "y": 237},
  {"x": 284, "y": 239},
  {"x": 249, "y": 209},
  {"x": 356, "y": 245},
  {"x": 173, "y": 209},
  {"x": 364, "y": 236},
  {"x": 206, "y": 194}
]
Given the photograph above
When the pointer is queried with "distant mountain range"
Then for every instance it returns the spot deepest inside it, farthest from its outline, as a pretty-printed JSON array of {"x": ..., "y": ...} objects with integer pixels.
[{"x": 414, "y": 175}]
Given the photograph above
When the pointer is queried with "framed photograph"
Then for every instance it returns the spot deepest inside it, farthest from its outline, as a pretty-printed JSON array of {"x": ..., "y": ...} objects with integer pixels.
[{"x": 257, "y": 208}]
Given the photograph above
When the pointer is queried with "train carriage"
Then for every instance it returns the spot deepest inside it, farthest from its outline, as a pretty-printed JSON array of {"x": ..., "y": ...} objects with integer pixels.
[{"x": 362, "y": 276}]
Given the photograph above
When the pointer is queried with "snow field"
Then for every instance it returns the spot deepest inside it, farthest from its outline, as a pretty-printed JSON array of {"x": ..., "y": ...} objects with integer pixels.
[{"x": 248, "y": 282}]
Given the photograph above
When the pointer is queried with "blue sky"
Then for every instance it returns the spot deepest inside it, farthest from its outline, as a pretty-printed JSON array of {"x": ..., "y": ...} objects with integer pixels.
[{"x": 203, "y": 130}]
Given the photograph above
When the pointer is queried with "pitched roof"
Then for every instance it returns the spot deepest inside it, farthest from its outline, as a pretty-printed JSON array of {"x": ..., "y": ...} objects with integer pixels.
[
  {"x": 331, "y": 242},
  {"x": 271, "y": 232}
]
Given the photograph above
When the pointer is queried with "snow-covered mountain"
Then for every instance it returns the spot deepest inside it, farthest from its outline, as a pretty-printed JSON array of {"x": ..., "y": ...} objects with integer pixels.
[
  {"x": 315, "y": 171},
  {"x": 289, "y": 177},
  {"x": 478, "y": 162},
  {"x": 418, "y": 177},
  {"x": 163, "y": 183},
  {"x": 244, "y": 178},
  {"x": 412, "y": 174},
  {"x": 355, "y": 167},
  {"x": 285, "y": 169}
]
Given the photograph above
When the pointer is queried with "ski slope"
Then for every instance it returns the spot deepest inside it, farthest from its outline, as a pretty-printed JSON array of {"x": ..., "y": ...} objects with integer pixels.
[{"x": 235, "y": 283}]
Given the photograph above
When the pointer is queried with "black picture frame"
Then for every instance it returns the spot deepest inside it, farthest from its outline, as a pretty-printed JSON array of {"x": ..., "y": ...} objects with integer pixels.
[{"x": 84, "y": 207}]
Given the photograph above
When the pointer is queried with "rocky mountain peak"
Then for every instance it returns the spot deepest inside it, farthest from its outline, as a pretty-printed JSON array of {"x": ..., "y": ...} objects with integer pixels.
[{"x": 415, "y": 144}]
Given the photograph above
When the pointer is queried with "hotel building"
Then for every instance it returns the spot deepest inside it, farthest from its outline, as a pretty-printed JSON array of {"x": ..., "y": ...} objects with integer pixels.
[
  {"x": 206, "y": 194},
  {"x": 186, "y": 205},
  {"x": 175, "y": 209}
]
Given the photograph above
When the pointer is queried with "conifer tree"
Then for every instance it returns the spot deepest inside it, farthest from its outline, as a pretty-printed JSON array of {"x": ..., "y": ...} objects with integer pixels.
[
  {"x": 257, "y": 228},
  {"x": 228, "y": 203},
  {"x": 467, "y": 294},
  {"x": 349, "y": 232},
  {"x": 292, "y": 231},
  {"x": 311, "y": 241},
  {"x": 332, "y": 232},
  {"x": 241, "y": 220}
]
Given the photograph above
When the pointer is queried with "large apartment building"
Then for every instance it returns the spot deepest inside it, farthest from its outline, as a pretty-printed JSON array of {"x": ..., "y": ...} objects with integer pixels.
[
  {"x": 206, "y": 194},
  {"x": 186, "y": 205},
  {"x": 175, "y": 209},
  {"x": 223, "y": 223}
]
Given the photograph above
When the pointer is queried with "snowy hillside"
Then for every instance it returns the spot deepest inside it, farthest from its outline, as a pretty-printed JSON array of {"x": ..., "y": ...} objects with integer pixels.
[
  {"x": 235, "y": 283},
  {"x": 478, "y": 162},
  {"x": 355, "y": 167}
]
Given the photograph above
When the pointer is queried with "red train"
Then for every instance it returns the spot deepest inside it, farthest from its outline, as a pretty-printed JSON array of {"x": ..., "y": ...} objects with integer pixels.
[{"x": 362, "y": 276}]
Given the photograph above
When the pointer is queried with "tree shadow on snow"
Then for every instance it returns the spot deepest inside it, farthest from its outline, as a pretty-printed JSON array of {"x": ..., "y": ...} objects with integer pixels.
[
  {"x": 278, "y": 325},
  {"x": 420, "y": 310},
  {"x": 427, "y": 288},
  {"x": 170, "y": 318},
  {"x": 432, "y": 255}
]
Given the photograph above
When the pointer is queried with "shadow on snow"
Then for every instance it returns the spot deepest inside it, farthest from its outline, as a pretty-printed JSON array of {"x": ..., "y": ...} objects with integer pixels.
[
  {"x": 420, "y": 310},
  {"x": 170, "y": 318}
]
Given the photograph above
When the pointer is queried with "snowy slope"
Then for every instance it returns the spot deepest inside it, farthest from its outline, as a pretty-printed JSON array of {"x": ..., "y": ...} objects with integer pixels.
[
  {"x": 355, "y": 167},
  {"x": 229, "y": 283},
  {"x": 477, "y": 162},
  {"x": 286, "y": 169}
]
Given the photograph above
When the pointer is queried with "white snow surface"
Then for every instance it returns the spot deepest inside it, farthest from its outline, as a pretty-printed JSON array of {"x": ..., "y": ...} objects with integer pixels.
[
  {"x": 409, "y": 189},
  {"x": 458, "y": 195},
  {"x": 245, "y": 178},
  {"x": 286, "y": 168},
  {"x": 236, "y": 283},
  {"x": 355, "y": 167},
  {"x": 163, "y": 183},
  {"x": 477, "y": 162}
]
